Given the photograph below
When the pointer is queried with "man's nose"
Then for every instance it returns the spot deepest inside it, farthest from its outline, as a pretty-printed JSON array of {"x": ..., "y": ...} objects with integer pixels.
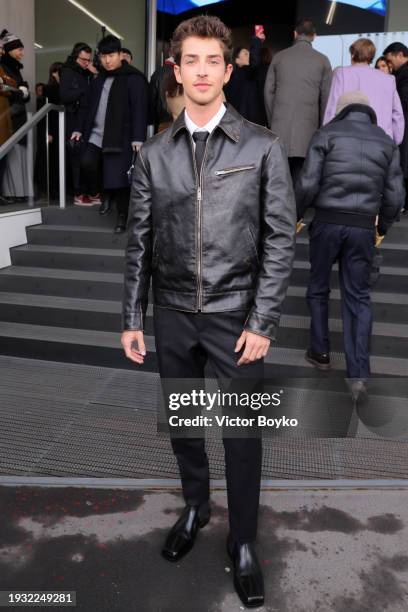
[{"x": 202, "y": 68}]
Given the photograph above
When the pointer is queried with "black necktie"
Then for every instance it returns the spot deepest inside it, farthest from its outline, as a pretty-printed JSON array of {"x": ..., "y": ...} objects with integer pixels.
[{"x": 200, "y": 139}]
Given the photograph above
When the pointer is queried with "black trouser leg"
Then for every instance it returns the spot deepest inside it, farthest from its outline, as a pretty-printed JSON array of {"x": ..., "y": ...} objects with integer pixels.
[
  {"x": 91, "y": 168},
  {"x": 74, "y": 165},
  {"x": 121, "y": 197},
  {"x": 180, "y": 356},
  {"x": 184, "y": 341},
  {"x": 324, "y": 248},
  {"x": 354, "y": 270},
  {"x": 295, "y": 166}
]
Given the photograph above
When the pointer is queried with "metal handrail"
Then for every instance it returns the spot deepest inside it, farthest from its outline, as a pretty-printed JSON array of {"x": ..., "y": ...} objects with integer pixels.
[{"x": 32, "y": 122}]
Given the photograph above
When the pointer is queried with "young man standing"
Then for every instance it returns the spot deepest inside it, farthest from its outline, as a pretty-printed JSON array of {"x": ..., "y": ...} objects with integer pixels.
[{"x": 212, "y": 219}]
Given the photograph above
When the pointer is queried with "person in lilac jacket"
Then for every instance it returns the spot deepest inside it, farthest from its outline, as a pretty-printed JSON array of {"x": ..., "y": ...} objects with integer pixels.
[{"x": 380, "y": 89}]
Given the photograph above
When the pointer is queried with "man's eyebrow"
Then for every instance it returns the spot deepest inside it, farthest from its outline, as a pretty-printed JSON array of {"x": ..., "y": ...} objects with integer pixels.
[{"x": 194, "y": 55}]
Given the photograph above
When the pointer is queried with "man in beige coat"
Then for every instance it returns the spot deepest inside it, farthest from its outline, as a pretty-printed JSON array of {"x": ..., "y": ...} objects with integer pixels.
[{"x": 297, "y": 87}]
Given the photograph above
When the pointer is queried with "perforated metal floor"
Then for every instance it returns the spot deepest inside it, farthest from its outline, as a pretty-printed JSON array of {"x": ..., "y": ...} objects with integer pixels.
[{"x": 69, "y": 420}]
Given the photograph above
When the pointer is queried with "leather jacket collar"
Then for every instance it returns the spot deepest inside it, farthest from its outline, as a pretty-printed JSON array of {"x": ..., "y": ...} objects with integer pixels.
[{"x": 230, "y": 124}]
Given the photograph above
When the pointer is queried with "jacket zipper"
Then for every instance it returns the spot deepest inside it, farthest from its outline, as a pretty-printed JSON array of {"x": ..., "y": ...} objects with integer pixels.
[
  {"x": 229, "y": 171},
  {"x": 199, "y": 180}
]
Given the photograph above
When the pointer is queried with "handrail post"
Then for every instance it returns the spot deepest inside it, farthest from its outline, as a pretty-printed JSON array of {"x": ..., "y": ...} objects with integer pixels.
[
  {"x": 30, "y": 163},
  {"x": 61, "y": 133},
  {"x": 47, "y": 156}
]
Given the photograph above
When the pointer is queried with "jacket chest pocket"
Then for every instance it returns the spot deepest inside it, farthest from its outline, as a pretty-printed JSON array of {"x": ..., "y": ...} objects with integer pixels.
[{"x": 227, "y": 171}]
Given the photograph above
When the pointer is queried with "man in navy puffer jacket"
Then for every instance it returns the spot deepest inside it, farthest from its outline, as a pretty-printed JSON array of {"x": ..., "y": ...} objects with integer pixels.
[{"x": 351, "y": 174}]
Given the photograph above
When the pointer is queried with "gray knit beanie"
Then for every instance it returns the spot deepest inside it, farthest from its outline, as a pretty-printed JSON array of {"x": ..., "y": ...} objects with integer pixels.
[{"x": 351, "y": 97}]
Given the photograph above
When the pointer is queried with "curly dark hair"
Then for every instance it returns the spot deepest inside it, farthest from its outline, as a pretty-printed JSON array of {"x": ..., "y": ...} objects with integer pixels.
[{"x": 203, "y": 26}]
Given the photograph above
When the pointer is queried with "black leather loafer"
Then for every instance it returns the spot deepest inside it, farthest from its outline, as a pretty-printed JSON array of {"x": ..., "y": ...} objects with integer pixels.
[
  {"x": 248, "y": 578},
  {"x": 181, "y": 537}
]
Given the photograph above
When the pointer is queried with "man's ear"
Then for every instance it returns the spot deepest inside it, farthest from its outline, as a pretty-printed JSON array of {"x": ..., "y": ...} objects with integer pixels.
[
  {"x": 177, "y": 74},
  {"x": 228, "y": 72}
]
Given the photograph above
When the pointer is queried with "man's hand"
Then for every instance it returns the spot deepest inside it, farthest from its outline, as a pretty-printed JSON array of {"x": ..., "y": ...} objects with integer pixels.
[
  {"x": 378, "y": 239},
  {"x": 256, "y": 347},
  {"x": 76, "y": 136},
  {"x": 300, "y": 225},
  {"x": 92, "y": 68},
  {"x": 128, "y": 339}
]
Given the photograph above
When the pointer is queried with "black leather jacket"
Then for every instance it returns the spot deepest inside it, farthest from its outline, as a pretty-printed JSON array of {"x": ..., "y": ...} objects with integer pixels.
[
  {"x": 219, "y": 242},
  {"x": 353, "y": 167}
]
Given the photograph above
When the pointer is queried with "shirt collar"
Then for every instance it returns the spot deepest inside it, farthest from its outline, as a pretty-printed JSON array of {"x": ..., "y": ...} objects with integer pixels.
[{"x": 210, "y": 126}]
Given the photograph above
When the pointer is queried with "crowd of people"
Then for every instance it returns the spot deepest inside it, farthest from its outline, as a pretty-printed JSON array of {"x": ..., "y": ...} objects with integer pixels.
[{"x": 349, "y": 158}]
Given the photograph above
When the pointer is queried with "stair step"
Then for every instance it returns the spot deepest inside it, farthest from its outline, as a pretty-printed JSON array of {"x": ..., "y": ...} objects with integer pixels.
[
  {"x": 103, "y": 348},
  {"x": 76, "y": 236},
  {"x": 67, "y": 257},
  {"x": 105, "y": 315},
  {"x": 50, "y": 281},
  {"x": 76, "y": 215}
]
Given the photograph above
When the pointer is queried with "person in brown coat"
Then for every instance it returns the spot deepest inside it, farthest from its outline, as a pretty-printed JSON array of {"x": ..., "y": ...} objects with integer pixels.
[{"x": 5, "y": 117}]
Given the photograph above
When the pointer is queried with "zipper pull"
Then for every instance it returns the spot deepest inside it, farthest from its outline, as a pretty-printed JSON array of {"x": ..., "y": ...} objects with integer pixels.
[{"x": 199, "y": 193}]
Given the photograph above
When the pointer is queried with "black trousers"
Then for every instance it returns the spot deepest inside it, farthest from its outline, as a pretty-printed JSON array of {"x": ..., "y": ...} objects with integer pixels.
[
  {"x": 295, "y": 166},
  {"x": 74, "y": 168},
  {"x": 353, "y": 248},
  {"x": 184, "y": 343},
  {"x": 91, "y": 174}
]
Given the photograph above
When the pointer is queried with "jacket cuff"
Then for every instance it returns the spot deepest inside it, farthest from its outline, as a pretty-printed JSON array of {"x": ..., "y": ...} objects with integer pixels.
[
  {"x": 261, "y": 325},
  {"x": 134, "y": 320}
]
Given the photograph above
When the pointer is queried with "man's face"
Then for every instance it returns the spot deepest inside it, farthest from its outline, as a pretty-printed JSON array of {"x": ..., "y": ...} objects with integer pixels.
[
  {"x": 84, "y": 59},
  {"x": 111, "y": 61},
  {"x": 242, "y": 58},
  {"x": 202, "y": 70},
  {"x": 395, "y": 60},
  {"x": 18, "y": 54}
]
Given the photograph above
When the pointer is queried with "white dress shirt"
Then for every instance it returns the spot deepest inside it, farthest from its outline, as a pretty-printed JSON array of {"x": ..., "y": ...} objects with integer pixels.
[{"x": 210, "y": 126}]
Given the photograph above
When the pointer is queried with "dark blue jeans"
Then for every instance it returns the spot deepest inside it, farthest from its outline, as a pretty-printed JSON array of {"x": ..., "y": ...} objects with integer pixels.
[{"x": 353, "y": 248}]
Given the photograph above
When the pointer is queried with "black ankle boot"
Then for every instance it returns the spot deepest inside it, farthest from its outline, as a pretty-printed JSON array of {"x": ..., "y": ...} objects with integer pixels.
[
  {"x": 106, "y": 205},
  {"x": 120, "y": 223}
]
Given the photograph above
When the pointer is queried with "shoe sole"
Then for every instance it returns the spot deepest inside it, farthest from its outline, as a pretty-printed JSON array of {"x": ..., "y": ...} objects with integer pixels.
[
  {"x": 320, "y": 366},
  {"x": 175, "y": 558}
]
